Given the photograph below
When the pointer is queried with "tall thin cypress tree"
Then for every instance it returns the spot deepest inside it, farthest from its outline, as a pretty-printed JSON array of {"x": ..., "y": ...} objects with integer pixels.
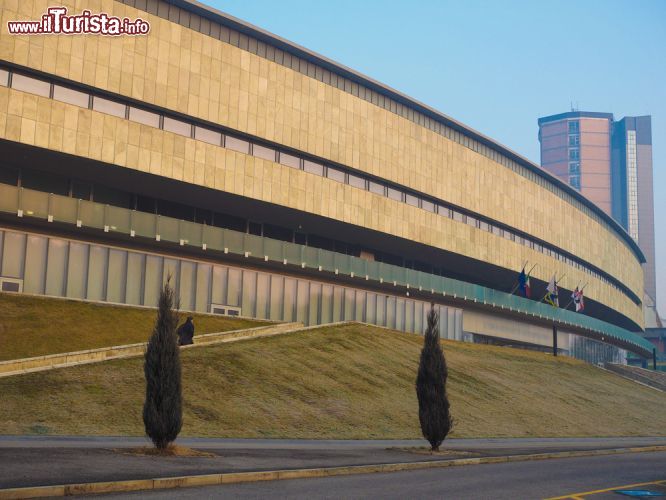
[
  {"x": 163, "y": 407},
  {"x": 434, "y": 414}
]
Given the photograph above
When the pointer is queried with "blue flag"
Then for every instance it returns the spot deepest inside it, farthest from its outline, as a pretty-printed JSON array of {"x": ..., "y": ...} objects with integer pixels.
[{"x": 524, "y": 284}]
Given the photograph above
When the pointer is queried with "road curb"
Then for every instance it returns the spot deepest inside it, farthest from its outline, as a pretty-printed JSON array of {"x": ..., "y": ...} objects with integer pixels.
[{"x": 276, "y": 475}]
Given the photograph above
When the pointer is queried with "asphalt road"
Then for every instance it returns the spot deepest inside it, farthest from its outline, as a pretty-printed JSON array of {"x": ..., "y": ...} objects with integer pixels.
[
  {"x": 47, "y": 460},
  {"x": 540, "y": 444},
  {"x": 537, "y": 479}
]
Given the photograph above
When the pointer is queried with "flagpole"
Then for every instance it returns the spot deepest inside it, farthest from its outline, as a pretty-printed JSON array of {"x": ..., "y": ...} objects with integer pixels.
[
  {"x": 545, "y": 294},
  {"x": 528, "y": 277},
  {"x": 543, "y": 299},
  {"x": 567, "y": 306}
]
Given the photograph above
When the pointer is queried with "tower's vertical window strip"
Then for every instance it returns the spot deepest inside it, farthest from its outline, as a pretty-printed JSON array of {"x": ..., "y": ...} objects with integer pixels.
[{"x": 632, "y": 184}]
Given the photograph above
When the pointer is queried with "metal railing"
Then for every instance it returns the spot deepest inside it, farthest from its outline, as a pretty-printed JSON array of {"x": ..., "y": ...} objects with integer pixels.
[{"x": 86, "y": 214}]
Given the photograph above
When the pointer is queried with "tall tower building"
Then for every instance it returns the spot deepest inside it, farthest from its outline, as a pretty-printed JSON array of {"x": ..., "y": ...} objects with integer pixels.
[
  {"x": 633, "y": 197},
  {"x": 576, "y": 148},
  {"x": 609, "y": 162}
]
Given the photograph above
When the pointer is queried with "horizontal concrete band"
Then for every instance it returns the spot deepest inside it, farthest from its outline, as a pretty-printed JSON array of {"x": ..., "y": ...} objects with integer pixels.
[
  {"x": 248, "y": 477},
  {"x": 68, "y": 359}
]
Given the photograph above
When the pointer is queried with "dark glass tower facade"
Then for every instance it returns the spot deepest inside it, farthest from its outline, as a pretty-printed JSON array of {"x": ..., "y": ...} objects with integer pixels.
[{"x": 632, "y": 193}]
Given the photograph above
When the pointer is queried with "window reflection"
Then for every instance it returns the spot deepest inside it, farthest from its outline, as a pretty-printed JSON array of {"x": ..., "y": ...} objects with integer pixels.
[
  {"x": 109, "y": 107},
  {"x": 207, "y": 135},
  {"x": 263, "y": 152},
  {"x": 177, "y": 127},
  {"x": 335, "y": 174},
  {"x": 236, "y": 144},
  {"x": 295, "y": 162},
  {"x": 70, "y": 96},
  {"x": 31, "y": 85},
  {"x": 144, "y": 117}
]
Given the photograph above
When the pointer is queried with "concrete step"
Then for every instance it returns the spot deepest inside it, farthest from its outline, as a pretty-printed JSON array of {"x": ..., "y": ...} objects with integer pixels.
[
  {"x": 214, "y": 338},
  {"x": 650, "y": 378},
  {"x": 67, "y": 359}
]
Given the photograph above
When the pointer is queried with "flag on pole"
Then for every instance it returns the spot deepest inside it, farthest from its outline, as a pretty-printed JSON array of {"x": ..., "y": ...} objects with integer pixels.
[
  {"x": 551, "y": 293},
  {"x": 577, "y": 297},
  {"x": 524, "y": 284}
]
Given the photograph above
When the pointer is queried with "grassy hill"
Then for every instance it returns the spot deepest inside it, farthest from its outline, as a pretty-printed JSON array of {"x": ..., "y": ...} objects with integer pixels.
[
  {"x": 35, "y": 326},
  {"x": 350, "y": 381}
]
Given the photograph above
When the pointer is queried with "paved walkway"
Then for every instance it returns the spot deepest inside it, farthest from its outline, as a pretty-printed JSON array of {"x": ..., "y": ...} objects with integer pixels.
[{"x": 38, "y": 461}]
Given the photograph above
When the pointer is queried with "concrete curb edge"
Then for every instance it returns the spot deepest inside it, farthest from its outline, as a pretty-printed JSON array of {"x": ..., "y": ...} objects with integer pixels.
[
  {"x": 22, "y": 366},
  {"x": 48, "y": 362},
  {"x": 248, "y": 477}
]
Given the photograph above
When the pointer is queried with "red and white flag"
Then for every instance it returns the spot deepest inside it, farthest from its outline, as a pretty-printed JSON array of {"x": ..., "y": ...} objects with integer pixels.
[{"x": 578, "y": 300}]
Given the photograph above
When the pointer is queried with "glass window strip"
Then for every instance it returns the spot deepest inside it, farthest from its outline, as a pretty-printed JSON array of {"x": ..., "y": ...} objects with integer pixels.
[
  {"x": 207, "y": 135},
  {"x": 31, "y": 85},
  {"x": 177, "y": 126},
  {"x": 144, "y": 117},
  {"x": 109, "y": 107},
  {"x": 71, "y": 96}
]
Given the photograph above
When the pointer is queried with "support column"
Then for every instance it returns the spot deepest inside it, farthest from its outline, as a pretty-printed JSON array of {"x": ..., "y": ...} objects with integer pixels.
[
  {"x": 554, "y": 340},
  {"x": 654, "y": 359}
]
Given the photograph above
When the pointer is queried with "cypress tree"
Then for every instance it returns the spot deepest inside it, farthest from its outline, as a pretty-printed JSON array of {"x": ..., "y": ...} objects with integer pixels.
[
  {"x": 434, "y": 414},
  {"x": 162, "y": 409}
]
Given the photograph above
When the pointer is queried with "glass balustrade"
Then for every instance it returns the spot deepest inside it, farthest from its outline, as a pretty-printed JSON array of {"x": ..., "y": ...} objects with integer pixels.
[
  {"x": 144, "y": 224},
  {"x": 168, "y": 229},
  {"x": 91, "y": 214},
  {"x": 119, "y": 220},
  {"x": 34, "y": 203},
  {"x": 9, "y": 198},
  {"x": 191, "y": 233},
  {"x": 64, "y": 209}
]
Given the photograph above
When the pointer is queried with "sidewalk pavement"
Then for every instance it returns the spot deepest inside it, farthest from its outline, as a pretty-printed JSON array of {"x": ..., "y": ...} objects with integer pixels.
[{"x": 47, "y": 460}]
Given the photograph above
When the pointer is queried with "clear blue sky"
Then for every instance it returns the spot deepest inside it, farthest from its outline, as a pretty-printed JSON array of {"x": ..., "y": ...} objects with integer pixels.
[{"x": 497, "y": 65}]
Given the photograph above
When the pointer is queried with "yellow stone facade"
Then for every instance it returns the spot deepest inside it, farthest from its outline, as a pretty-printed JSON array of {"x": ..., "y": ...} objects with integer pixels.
[{"x": 186, "y": 71}]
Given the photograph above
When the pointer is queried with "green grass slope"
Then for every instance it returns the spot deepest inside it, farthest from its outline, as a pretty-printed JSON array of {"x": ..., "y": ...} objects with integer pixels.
[
  {"x": 350, "y": 381},
  {"x": 35, "y": 326}
]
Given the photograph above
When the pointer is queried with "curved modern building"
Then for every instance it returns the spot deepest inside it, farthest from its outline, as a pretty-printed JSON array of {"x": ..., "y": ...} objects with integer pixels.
[{"x": 272, "y": 182}]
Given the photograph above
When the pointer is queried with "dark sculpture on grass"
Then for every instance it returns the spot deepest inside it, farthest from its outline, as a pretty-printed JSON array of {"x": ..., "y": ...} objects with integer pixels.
[
  {"x": 434, "y": 414},
  {"x": 163, "y": 407}
]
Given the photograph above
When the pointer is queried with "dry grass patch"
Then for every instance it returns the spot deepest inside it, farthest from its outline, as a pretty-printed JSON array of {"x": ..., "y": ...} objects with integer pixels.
[
  {"x": 351, "y": 381},
  {"x": 442, "y": 452},
  {"x": 35, "y": 326},
  {"x": 169, "y": 451}
]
